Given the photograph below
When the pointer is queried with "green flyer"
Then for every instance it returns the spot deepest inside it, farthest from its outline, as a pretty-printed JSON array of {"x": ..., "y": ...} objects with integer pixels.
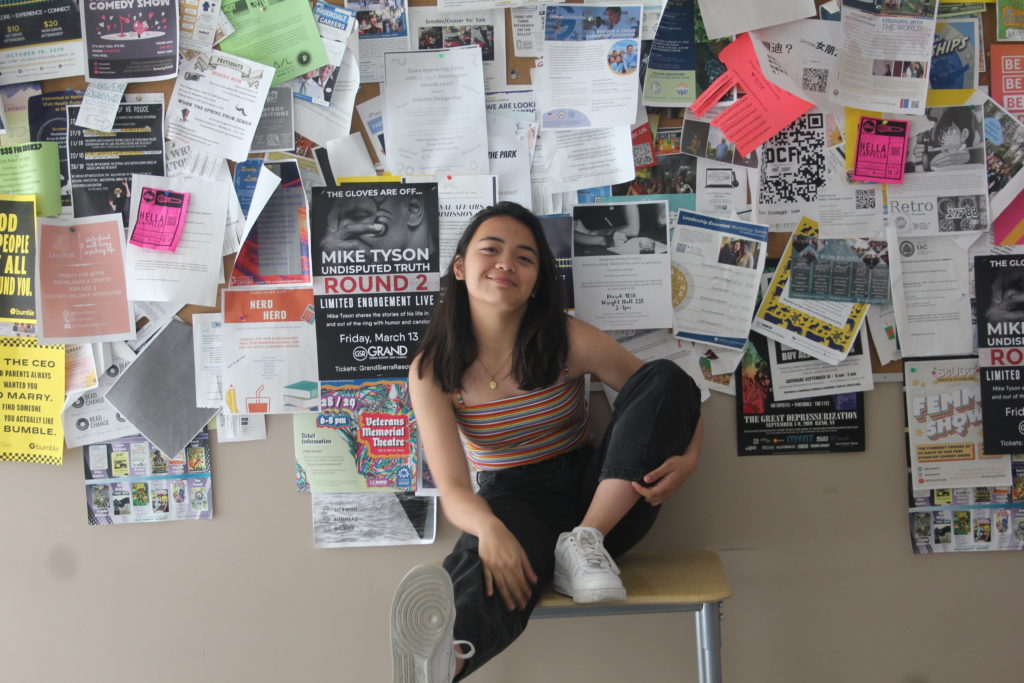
[
  {"x": 279, "y": 34},
  {"x": 1009, "y": 20},
  {"x": 32, "y": 168}
]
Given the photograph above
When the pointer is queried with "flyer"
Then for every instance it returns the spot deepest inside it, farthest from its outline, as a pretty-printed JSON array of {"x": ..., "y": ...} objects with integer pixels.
[
  {"x": 15, "y": 101},
  {"x": 383, "y": 27},
  {"x": 129, "y": 480},
  {"x": 82, "y": 289},
  {"x": 999, "y": 287},
  {"x": 276, "y": 128},
  {"x": 101, "y": 164},
  {"x": 434, "y": 112},
  {"x": 683, "y": 60},
  {"x": 48, "y": 122},
  {"x": 33, "y": 381},
  {"x": 33, "y": 169},
  {"x": 42, "y": 40},
  {"x": 89, "y": 418},
  {"x": 591, "y": 66},
  {"x": 881, "y": 150},
  {"x": 198, "y": 24},
  {"x": 621, "y": 267},
  {"x": 824, "y": 330},
  {"x": 766, "y": 425},
  {"x": 433, "y": 29},
  {"x": 716, "y": 271},
  {"x": 459, "y": 198},
  {"x": 800, "y": 57},
  {"x": 1009, "y": 20},
  {"x": 269, "y": 351},
  {"x": 797, "y": 376},
  {"x": 968, "y": 519},
  {"x": 17, "y": 258},
  {"x": 1004, "y": 151},
  {"x": 956, "y": 54},
  {"x": 946, "y": 185},
  {"x": 364, "y": 439},
  {"x": 885, "y": 56},
  {"x": 280, "y": 34},
  {"x": 375, "y": 276},
  {"x": 945, "y": 426},
  {"x": 277, "y": 221},
  {"x": 850, "y": 270},
  {"x": 216, "y": 103},
  {"x": 349, "y": 520},
  {"x": 191, "y": 271},
  {"x": 130, "y": 40},
  {"x": 764, "y": 109},
  {"x": 930, "y": 285}
]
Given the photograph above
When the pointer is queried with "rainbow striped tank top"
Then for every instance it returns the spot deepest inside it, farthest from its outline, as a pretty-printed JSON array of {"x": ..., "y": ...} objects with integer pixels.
[{"x": 522, "y": 430}]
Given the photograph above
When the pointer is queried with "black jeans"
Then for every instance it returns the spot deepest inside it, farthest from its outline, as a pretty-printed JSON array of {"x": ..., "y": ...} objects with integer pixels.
[{"x": 654, "y": 417}]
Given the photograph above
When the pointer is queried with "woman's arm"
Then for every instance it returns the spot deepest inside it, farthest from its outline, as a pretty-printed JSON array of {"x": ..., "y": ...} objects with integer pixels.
[{"x": 506, "y": 566}]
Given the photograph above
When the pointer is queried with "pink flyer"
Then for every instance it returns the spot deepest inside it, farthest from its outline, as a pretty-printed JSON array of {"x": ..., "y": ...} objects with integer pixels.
[
  {"x": 161, "y": 219},
  {"x": 881, "y": 150}
]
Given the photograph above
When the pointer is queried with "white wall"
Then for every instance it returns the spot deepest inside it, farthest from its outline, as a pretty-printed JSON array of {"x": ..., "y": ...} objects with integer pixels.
[{"x": 816, "y": 547}]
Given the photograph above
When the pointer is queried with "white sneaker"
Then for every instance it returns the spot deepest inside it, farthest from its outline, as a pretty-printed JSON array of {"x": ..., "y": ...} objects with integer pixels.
[
  {"x": 422, "y": 619},
  {"x": 583, "y": 568}
]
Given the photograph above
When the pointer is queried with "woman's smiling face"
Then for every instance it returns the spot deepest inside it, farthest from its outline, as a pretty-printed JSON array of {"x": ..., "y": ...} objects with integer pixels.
[{"x": 501, "y": 263}]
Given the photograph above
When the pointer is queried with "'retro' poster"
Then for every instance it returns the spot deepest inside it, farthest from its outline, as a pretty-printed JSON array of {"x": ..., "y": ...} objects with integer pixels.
[{"x": 375, "y": 276}]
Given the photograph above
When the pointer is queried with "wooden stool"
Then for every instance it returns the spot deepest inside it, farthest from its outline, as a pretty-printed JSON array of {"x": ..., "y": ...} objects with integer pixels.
[{"x": 668, "y": 581}]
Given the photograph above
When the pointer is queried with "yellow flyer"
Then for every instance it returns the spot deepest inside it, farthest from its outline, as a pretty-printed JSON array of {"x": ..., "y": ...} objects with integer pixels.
[{"x": 31, "y": 398}]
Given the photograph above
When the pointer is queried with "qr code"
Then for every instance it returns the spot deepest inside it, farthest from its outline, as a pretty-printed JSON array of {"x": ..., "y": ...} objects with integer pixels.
[
  {"x": 643, "y": 155},
  {"x": 864, "y": 199},
  {"x": 814, "y": 80},
  {"x": 793, "y": 162}
]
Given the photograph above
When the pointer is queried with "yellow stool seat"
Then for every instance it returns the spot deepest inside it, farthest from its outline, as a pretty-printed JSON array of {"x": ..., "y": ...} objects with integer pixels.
[{"x": 666, "y": 581}]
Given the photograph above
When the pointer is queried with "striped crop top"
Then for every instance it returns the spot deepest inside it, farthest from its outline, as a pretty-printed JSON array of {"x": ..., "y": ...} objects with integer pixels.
[{"x": 522, "y": 430}]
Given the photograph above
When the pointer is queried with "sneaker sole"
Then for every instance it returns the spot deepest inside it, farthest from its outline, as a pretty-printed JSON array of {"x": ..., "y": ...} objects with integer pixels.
[
  {"x": 421, "y": 617},
  {"x": 588, "y": 595}
]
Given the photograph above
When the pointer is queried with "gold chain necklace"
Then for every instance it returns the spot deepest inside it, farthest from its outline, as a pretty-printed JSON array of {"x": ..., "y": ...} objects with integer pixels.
[{"x": 493, "y": 384}]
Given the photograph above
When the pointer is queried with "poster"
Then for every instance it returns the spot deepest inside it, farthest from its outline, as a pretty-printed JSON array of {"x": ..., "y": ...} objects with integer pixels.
[
  {"x": 621, "y": 267},
  {"x": 968, "y": 519},
  {"x": 48, "y": 122},
  {"x": 375, "y": 275},
  {"x": 101, "y": 165},
  {"x": 944, "y": 418},
  {"x": 42, "y": 39},
  {"x": 82, "y": 288},
  {"x": 33, "y": 169},
  {"x": 281, "y": 34},
  {"x": 32, "y": 377},
  {"x": 269, "y": 351},
  {"x": 766, "y": 426},
  {"x": 17, "y": 258},
  {"x": 130, "y": 40},
  {"x": 129, "y": 481},
  {"x": 364, "y": 439},
  {"x": 999, "y": 288}
]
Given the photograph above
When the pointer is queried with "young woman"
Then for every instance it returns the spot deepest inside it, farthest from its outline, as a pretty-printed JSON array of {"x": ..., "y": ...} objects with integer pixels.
[{"x": 501, "y": 370}]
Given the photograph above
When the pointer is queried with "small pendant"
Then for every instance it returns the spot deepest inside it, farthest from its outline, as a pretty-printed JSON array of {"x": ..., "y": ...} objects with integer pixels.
[{"x": 493, "y": 384}]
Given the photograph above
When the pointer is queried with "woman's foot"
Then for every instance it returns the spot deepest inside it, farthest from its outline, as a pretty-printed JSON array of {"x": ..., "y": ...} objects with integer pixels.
[
  {"x": 422, "y": 621},
  {"x": 583, "y": 568}
]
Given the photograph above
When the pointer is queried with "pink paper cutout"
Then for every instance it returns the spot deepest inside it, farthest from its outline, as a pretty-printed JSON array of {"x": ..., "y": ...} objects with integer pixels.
[
  {"x": 761, "y": 112},
  {"x": 161, "y": 219},
  {"x": 881, "y": 154}
]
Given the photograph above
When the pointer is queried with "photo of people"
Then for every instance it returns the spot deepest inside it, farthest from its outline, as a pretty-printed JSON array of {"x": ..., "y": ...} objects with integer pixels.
[
  {"x": 602, "y": 229},
  {"x": 672, "y": 174},
  {"x": 388, "y": 21},
  {"x": 623, "y": 58},
  {"x": 482, "y": 35},
  {"x": 1005, "y": 148},
  {"x": 580, "y": 22},
  {"x": 739, "y": 252},
  {"x": 718, "y": 147},
  {"x": 430, "y": 38},
  {"x": 316, "y": 85}
]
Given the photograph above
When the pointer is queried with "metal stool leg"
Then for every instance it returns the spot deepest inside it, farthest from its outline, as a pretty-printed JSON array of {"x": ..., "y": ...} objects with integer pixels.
[{"x": 709, "y": 643}]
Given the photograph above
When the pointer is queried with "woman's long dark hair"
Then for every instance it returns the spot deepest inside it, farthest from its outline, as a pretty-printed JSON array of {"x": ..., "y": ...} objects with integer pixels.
[{"x": 542, "y": 342}]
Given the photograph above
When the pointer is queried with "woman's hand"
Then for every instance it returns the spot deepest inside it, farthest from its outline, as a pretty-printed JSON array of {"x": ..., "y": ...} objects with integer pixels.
[
  {"x": 506, "y": 566},
  {"x": 666, "y": 479}
]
